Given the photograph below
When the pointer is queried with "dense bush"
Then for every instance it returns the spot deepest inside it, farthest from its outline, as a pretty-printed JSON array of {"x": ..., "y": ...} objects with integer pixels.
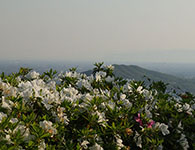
[{"x": 73, "y": 111}]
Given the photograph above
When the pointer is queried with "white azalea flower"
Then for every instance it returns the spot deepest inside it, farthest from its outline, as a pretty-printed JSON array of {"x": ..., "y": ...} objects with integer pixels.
[
  {"x": 193, "y": 106},
  {"x": 109, "y": 79},
  {"x": 111, "y": 67},
  {"x": 183, "y": 142},
  {"x": 111, "y": 105},
  {"x": 186, "y": 106},
  {"x": 147, "y": 94},
  {"x": 47, "y": 125},
  {"x": 13, "y": 120},
  {"x": 147, "y": 111},
  {"x": 96, "y": 91},
  {"x": 90, "y": 78},
  {"x": 139, "y": 89},
  {"x": 148, "y": 114},
  {"x": 68, "y": 74},
  {"x": 178, "y": 107},
  {"x": 84, "y": 83},
  {"x": 71, "y": 94},
  {"x": 126, "y": 103},
  {"x": 24, "y": 131},
  {"x": 179, "y": 127},
  {"x": 7, "y": 103},
  {"x": 127, "y": 87},
  {"x": 38, "y": 84},
  {"x": 102, "y": 74},
  {"x": 160, "y": 147},
  {"x": 2, "y": 115},
  {"x": 52, "y": 85},
  {"x": 122, "y": 96},
  {"x": 8, "y": 138},
  {"x": 45, "y": 102},
  {"x": 10, "y": 91},
  {"x": 84, "y": 144},
  {"x": 97, "y": 77},
  {"x": 18, "y": 79},
  {"x": 62, "y": 116},
  {"x": 42, "y": 145},
  {"x": 25, "y": 89},
  {"x": 156, "y": 125},
  {"x": 164, "y": 129},
  {"x": 33, "y": 75},
  {"x": 96, "y": 147},
  {"x": 3, "y": 85},
  {"x": 26, "y": 94},
  {"x": 72, "y": 74},
  {"x": 138, "y": 139},
  {"x": 88, "y": 97},
  {"x": 25, "y": 85},
  {"x": 101, "y": 117},
  {"x": 27, "y": 136},
  {"x": 119, "y": 142},
  {"x": 21, "y": 128}
]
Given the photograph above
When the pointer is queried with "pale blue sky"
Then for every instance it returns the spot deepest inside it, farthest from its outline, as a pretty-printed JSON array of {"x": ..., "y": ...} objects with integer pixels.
[{"x": 98, "y": 30}]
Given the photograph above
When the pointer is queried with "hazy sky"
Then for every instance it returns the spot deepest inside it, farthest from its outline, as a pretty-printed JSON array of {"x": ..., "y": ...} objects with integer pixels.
[{"x": 98, "y": 30}]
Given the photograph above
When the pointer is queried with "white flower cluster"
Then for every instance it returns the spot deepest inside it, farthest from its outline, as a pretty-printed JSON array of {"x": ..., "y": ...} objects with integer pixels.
[
  {"x": 183, "y": 141},
  {"x": 7, "y": 89},
  {"x": 125, "y": 101},
  {"x": 164, "y": 129},
  {"x": 138, "y": 139},
  {"x": 47, "y": 125},
  {"x": 96, "y": 147},
  {"x": 62, "y": 116},
  {"x": 119, "y": 141},
  {"x": 99, "y": 76},
  {"x": 84, "y": 108},
  {"x": 184, "y": 108},
  {"x": 2, "y": 115},
  {"x": 33, "y": 75},
  {"x": 101, "y": 118}
]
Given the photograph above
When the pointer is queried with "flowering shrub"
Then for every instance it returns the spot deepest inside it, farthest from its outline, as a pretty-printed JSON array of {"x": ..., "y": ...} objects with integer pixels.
[{"x": 73, "y": 111}]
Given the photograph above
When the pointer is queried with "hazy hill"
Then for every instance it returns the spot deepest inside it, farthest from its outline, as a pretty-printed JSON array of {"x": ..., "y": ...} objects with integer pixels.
[{"x": 138, "y": 73}]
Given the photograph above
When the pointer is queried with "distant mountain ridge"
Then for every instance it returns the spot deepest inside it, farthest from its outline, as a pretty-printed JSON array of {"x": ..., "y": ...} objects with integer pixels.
[{"x": 139, "y": 73}]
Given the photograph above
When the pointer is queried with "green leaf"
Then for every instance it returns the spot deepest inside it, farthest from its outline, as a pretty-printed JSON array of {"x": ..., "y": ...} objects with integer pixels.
[
  {"x": 11, "y": 148},
  {"x": 36, "y": 127},
  {"x": 30, "y": 143},
  {"x": 113, "y": 125},
  {"x": 46, "y": 135}
]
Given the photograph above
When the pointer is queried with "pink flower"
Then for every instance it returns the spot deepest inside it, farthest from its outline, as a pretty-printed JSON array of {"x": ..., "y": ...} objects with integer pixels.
[
  {"x": 150, "y": 124},
  {"x": 138, "y": 119}
]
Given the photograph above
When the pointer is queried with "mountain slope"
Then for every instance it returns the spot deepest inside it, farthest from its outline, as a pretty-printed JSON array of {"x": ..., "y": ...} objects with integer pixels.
[{"x": 139, "y": 73}]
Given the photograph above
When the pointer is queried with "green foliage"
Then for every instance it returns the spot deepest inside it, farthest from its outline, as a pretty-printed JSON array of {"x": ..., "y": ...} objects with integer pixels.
[{"x": 74, "y": 111}]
